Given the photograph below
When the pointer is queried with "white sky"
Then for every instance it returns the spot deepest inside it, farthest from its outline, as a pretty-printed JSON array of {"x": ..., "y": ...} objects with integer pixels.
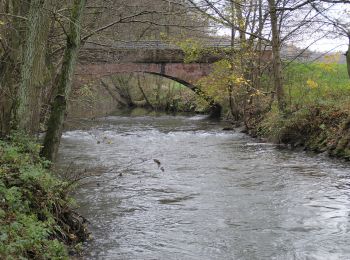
[
  {"x": 333, "y": 43},
  {"x": 323, "y": 45},
  {"x": 330, "y": 44}
]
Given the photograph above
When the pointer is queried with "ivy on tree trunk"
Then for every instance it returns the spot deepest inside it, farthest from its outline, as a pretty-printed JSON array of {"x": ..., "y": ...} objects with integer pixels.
[{"x": 59, "y": 106}]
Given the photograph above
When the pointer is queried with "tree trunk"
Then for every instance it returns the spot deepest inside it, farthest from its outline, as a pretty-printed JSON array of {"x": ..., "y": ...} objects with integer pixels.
[
  {"x": 121, "y": 84},
  {"x": 148, "y": 104},
  {"x": 233, "y": 30},
  {"x": 348, "y": 58},
  {"x": 259, "y": 48},
  {"x": 159, "y": 87},
  {"x": 32, "y": 77},
  {"x": 122, "y": 101},
  {"x": 59, "y": 106},
  {"x": 10, "y": 64},
  {"x": 241, "y": 22},
  {"x": 276, "y": 55},
  {"x": 233, "y": 105}
]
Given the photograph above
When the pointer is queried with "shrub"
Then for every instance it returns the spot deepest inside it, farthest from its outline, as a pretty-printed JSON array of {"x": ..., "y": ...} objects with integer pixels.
[{"x": 36, "y": 219}]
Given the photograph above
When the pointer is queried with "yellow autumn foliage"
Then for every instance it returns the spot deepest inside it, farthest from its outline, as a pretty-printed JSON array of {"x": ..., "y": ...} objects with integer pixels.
[{"x": 311, "y": 84}]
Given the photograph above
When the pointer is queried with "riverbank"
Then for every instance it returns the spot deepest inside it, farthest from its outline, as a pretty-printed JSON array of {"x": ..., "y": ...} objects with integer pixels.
[
  {"x": 318, "y": 128},
  {"x": 37, "y": 219},
  {"x": 317, "y": 109}
]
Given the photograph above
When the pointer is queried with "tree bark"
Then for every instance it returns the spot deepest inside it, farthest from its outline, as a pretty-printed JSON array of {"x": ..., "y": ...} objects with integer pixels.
[
  {"x": 159, "y": 86},
  {"x": 59, "y": 106},
  {"x": 241, "y": 22},
  {"x": 32, "y": 77},
  {"x": 233, "y": 29},
  {"x": 348, "y": 58},
  {"x": 10, "y": 64},
  {"x": 118, "y": 97},
  {"x": 148, "y": 104},
  {"x": 276, "y": 56}
]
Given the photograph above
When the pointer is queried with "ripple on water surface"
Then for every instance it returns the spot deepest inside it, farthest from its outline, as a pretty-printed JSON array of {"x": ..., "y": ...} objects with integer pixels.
[{"x": 222, "y": 195}]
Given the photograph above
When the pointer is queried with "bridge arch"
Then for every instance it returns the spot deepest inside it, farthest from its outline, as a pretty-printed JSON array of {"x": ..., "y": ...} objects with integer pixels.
[
  {"x": 152, "y": 57},
  {"x": 186, "y": 74},
  {"x": 181, "y": 81}
]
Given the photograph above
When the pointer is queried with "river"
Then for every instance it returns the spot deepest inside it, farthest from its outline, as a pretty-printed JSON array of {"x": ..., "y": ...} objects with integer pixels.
[{"x": 220, "y": 194}]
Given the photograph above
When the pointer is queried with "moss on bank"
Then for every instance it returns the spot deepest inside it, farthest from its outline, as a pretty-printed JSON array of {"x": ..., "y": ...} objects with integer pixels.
[
  {"x": 36, "y": 216},
  {"x": 319, "y": 128}
]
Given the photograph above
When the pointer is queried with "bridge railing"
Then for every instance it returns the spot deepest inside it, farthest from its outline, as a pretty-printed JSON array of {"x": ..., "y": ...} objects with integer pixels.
[{"x": 154, "y": 44}]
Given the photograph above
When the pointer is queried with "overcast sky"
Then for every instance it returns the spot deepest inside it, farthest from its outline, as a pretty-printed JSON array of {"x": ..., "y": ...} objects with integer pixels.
[
  {"x": 330, "y": 44},
  {"x": 333, "y": 43},
  {"x": 323, "y": 45}
]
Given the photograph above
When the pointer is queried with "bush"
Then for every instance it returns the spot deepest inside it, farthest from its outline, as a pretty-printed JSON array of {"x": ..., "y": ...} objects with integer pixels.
[
  {"x": 36, "y": 219},
  {"x": 316, "y": 127}
]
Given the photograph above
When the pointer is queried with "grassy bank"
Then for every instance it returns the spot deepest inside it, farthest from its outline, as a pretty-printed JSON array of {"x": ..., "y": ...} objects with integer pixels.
[
  {"x": 317, "y": 128},
  {"x": 36, "y": 216},
  {"x": 318, "y": 110},
  {"x": 325, "y": 84}
]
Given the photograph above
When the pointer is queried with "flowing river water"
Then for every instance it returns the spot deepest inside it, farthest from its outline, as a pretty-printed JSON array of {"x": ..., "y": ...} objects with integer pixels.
[{"x": 222, "y": 195}]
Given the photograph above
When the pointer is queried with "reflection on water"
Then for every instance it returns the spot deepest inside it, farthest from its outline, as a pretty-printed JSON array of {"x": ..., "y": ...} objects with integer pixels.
[{"x": 222, "y": 195}]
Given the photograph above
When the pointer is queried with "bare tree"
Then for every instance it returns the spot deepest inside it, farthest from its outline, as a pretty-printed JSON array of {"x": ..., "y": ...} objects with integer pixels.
[{"x": 336, "y": 20}]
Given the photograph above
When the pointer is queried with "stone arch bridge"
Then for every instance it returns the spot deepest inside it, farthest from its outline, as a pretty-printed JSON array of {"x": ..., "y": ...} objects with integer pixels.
[{"x": 153, "y": 57}]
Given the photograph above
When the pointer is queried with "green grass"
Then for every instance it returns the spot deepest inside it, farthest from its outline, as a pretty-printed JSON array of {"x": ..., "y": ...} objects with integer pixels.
[
  {"x": 317, "y": 83},
  {"x": 318, "y": 109}
]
